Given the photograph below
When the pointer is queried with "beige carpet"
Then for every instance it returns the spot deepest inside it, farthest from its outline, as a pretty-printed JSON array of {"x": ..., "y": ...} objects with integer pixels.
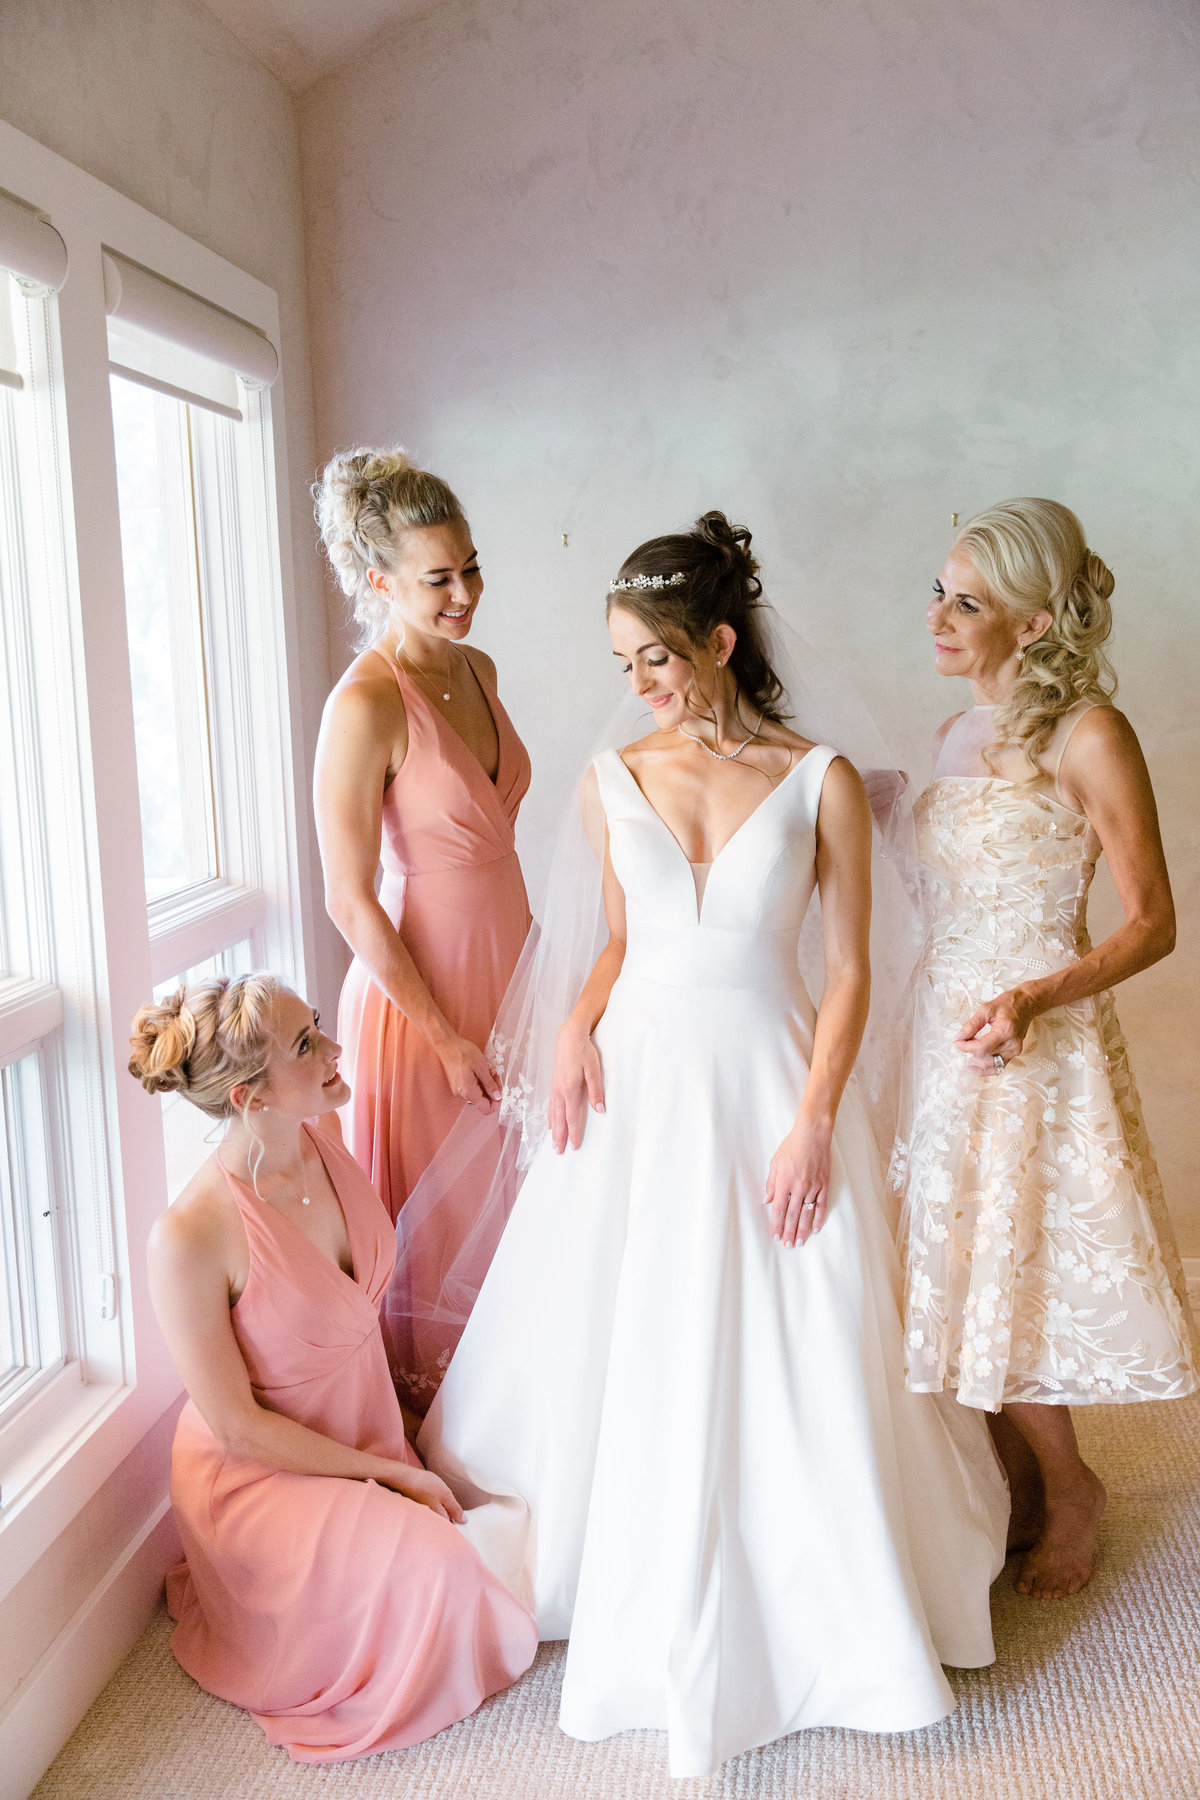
[{"x": 1096, "y": 1698}]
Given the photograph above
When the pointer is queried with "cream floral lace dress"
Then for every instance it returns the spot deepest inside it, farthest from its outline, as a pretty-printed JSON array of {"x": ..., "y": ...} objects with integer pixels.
[{"x": 1040, "y": 1260}]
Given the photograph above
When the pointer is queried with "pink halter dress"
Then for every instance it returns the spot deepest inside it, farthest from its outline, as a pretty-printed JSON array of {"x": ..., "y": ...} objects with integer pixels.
[
  {"x": 452, "y": 886},
  {"x": 346, "y": 1618}
]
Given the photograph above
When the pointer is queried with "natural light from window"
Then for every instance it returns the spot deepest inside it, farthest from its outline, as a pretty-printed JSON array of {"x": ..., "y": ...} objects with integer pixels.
[{"x": 166, "y": 638}]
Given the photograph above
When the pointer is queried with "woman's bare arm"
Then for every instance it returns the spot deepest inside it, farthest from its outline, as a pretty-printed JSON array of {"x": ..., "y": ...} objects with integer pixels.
[
  {"x": 578, "y": 1076},
  {"x": 190, "y": 1254},
  {"x": 800, "y": 1168},
  {"x": 356, "y": 752},
  {"x": 1104, "y": 776}
]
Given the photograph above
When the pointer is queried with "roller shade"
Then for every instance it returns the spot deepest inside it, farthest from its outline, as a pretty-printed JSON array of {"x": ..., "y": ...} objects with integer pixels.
[
  {"x": 10, "y": 375},
  {"x": 30, "y": 248},
  {"x": 164, "y": 337}
]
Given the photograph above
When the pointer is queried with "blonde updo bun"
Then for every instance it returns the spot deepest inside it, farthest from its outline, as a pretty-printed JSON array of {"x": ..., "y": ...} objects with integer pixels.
[
  {"x": 1033, "y": 557},
  {"x": 206, "y": 1039},
  {"x": 364, "y": 501}
]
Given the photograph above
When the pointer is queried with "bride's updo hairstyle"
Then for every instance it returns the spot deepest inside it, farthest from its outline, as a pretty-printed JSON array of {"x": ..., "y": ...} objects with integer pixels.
[
  {"x": 365, "y": 501},
  {"x": 206, "y": 1039},
  {"x": 1032, "y": 557},
  {"x": 720, "y": 586}
]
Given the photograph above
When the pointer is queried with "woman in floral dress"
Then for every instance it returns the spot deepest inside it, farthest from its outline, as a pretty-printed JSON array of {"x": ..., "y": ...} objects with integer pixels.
[{"x": 1041, "y": 1269}]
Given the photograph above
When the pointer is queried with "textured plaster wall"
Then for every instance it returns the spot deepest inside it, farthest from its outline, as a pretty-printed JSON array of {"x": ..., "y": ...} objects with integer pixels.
[
  {"x": 840, "y": 268},
  {"x": 159, "y": 100}
]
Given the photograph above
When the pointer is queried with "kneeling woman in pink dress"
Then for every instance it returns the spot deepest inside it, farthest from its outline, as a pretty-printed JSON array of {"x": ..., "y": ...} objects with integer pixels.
[{"x": 326, "y": 1587}]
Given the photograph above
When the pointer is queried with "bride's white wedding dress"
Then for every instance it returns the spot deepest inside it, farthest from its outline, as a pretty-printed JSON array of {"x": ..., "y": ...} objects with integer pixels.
[{"x": 687, "y": 1448}]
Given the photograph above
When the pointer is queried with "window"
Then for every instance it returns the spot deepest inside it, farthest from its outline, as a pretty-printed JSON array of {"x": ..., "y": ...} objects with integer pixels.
[
  {"x": 37, "y": 1317},
  {"x": 163, "y": 608},
  {"x": 32, "y": 1326},
  {"x": 148, "y": 816}
]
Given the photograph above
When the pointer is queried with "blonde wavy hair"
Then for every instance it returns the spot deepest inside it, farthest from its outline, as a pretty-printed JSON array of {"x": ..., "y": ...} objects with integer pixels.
[
  {"x": 206, "y": 1039},
  {"x": 1032, "y": 556},
  {"x": 364, "y": 502}
]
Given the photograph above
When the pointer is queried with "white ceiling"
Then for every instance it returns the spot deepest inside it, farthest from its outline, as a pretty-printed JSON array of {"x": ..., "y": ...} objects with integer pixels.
[{"x": 301, "y": 40}]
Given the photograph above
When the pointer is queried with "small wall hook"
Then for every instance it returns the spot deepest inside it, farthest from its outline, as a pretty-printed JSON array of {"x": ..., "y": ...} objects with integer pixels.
[
  {"x": 953, "y": 520},
  {"x": 564, "y": 537}
]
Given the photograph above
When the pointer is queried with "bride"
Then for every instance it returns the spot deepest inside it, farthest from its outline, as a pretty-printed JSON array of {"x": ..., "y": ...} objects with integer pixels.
[{"x": 677, "y": 1413}]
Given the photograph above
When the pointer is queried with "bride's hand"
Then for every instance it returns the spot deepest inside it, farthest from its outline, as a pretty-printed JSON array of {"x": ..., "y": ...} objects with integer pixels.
[
  {"x": 798, "y": 1182},
  {"x": 578, "y": 1082}
]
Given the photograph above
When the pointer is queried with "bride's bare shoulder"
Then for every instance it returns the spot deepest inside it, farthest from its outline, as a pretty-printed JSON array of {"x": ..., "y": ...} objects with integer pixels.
[
  {"x": 771, "y": 733},
  {"x": 655, "y": 743}
]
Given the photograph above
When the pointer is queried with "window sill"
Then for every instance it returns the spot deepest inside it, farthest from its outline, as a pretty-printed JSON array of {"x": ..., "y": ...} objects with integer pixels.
[
  {"x": 188, "y": 928},
  {"x": 29, "y": 1011},
  {"x": 48, "y": 1474}
]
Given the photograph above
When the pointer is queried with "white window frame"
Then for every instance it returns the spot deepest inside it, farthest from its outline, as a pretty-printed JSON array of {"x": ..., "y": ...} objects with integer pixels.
[{"x": 108, "y": 951}]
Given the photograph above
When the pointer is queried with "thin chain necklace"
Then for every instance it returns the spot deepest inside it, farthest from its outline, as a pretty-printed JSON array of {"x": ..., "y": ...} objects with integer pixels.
[
  {"x": 407, "y": 662},
  {"x": 305, "y": 1199}
]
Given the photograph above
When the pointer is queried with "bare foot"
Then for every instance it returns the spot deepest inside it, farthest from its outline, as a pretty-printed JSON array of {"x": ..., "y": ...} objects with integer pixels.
[
  {"x": 1064, "y": 1556},
  {"x": 1027, "y": 1519}
]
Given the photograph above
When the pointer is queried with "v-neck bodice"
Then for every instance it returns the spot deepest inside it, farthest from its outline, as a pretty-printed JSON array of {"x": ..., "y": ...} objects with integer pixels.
[
  {"x": 442, "y": 811},
  {"x": 300, "y": 1320},
  {"x": 746, "y": 927}
]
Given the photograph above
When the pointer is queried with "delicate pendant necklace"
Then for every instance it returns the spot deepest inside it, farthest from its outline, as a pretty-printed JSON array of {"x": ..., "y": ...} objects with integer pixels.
[
  {"x": 720, "y": 755},
  {"x": 420, "y": 674},
  {"x": 305, "y": 1199}
]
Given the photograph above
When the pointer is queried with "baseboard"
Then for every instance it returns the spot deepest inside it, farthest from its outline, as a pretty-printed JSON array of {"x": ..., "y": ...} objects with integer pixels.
[
  {"x": 1191, "y": 1274},
  {"x": 48, "y": 1705}
]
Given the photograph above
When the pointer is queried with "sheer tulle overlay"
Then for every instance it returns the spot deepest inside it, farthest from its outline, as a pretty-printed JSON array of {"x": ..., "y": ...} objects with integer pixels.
[
  {"x": 689, "y": 1449},
  {"x": 452, "y": 887},
  {"x": 345, "y": 1617},
  {"x": 1040, "y": 1259}
]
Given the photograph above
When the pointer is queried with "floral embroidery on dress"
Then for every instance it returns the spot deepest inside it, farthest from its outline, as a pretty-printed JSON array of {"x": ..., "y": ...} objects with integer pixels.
[
  {"x": 517, "y": 1106},
  {"x": 1040, "y": 1259}
]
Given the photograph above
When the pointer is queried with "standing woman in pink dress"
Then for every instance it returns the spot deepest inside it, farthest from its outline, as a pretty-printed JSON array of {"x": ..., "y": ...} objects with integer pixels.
[
  {"x": 418, "y": 765},
  {"x": 326, "y": 1588}
]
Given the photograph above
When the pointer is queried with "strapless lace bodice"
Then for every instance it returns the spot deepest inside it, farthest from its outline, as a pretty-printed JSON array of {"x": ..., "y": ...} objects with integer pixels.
[{"x": 1005, "y": 876}]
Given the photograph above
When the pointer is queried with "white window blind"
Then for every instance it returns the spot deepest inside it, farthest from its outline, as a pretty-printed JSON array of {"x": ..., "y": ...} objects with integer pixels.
[
  {"x": 163, "y": 337},
  {"x": 34, "y": 254},
  {"x": 30, "y": 248},
  {"x": 10, "y": 371}
]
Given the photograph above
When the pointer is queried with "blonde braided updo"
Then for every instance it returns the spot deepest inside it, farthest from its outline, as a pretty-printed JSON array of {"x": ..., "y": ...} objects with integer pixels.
[
  {"x": 1033, "y": 557},
  {"x": 364, "y": 501},
  {"x": 206, "y": 1039}
]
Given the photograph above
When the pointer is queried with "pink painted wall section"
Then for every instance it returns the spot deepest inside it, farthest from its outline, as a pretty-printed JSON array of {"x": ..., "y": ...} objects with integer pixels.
[{"x": 840, "y": 269}]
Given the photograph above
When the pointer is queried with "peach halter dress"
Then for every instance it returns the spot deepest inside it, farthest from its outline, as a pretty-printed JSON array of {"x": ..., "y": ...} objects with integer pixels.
[
  {"x": 346, "y": 1618},
  {"x": 452, "y": 887}
]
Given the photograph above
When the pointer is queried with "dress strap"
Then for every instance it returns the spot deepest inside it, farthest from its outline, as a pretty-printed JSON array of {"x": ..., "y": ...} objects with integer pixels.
[{"x": 1056, "y": 749}]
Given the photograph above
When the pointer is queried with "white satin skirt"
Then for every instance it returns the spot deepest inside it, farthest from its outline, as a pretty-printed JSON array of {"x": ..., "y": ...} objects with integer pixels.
[{"x": 690, "y": 1450}]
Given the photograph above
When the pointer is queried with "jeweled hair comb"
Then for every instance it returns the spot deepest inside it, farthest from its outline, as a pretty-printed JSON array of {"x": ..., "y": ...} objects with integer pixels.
[{"x": 647, "y": 581}]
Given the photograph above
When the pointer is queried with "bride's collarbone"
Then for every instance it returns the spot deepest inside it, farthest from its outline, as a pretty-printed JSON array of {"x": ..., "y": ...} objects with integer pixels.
[{"x": 704, "y": 801}]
